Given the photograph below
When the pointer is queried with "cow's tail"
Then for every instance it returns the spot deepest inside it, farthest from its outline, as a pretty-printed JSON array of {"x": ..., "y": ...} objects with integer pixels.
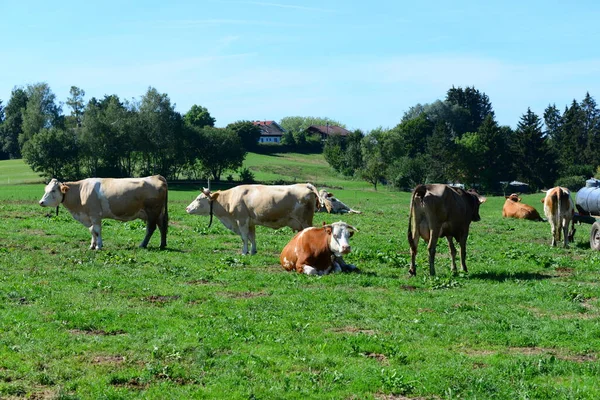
[
  {"x": 313, "y": 189},
  {"x": 559, "y": 196},
  {"x": 419, "y": 192},
  {"x": 165, "y": 214}
]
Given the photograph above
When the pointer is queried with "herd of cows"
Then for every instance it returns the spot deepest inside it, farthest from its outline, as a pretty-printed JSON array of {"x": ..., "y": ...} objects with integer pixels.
[{"x": 436, "y": 210}]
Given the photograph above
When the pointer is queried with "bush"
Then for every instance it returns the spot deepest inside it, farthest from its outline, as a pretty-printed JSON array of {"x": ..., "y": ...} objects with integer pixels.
[
  {"x": 246, "y": 176},
  {"x": 574, "y": 182}
]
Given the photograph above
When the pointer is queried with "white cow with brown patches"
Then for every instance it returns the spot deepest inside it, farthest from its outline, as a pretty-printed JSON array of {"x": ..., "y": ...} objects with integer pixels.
[
  {"x": 243, "y": 207},
  {"x": 559, "y": 209},
  {"x": 319, "y": 251},
  {"x": 91, "y": 200}
]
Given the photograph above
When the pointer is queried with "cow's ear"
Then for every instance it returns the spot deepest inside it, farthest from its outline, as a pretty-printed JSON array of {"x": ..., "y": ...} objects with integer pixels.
[
  {"x": 352, "y": 229},
  {"x": 507, "y": 197},
  {"x": 482, "y": 199},
  {"x": 206, "y": 192},
  {"x": 64, "y": 189},
  {"x": 328, "y": 228},
  {"x": 543, "y": 200},
  {"x": 214, "y": 196}
]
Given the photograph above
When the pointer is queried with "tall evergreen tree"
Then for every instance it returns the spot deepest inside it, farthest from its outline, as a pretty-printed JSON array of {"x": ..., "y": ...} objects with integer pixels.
[
  {"x": 592, "y": 130},
  {"x": 533, "y": 159},
  {"x": 573, "y": 139}
]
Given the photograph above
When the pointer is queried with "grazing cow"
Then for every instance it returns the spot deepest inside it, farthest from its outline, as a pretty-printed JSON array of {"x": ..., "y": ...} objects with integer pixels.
[
  {"x": 559, "y": 209},
  {"x": 319, "y": 251},
  {"x": 436, "y": 211},
  {"x": 91, "y": 200},
  {"x": 513, "y": 208},
  {"x": 333, "y": 205},
  {"x": 243, "y": 207}
]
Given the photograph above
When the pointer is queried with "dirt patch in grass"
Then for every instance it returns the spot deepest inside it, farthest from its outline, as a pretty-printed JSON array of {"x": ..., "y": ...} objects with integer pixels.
[
  {"x": 377, "y": 356},
  {"x": 133, "y": 383},
  {"x": 535, "y": 351},
  {"x": 564, "y": 271},
  {"x": 408, "y": 288},
  {"x": 43, "y": 393},
  {"x": 353, "y": 329},
  {"x": 108, "y": 360},
  {"x": 244, "y": 295},
  {"x": 382, "y": 396},
  {"x": 199, "y": 282},
  {"x": 161, "y": 299},
  {"x": 97, "y": 332}
]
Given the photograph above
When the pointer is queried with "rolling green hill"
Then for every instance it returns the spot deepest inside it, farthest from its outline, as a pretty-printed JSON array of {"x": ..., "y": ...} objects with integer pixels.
[{"x": 268, "y": 168}]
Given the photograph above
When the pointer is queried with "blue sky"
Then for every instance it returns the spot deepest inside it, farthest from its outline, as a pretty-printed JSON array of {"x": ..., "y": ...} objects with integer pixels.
[{"x": 363, "y": 63}]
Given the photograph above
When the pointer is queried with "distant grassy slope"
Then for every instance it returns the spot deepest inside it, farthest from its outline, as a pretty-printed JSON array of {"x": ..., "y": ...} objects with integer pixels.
[
  {"x": 298, "y": 167},
  {"x": 16, "y": 172},
  {"x": 266, "y": 168}
]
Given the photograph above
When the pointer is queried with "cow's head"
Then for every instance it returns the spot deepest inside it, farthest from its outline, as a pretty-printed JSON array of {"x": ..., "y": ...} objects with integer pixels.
[
  {"x": 54, "y": 194},
  {"x": 202, "y": 204},
  {"x": 514, "y": 197},
  {"x": 339, "y": 236},
  {"x": 477, "y": 201}
]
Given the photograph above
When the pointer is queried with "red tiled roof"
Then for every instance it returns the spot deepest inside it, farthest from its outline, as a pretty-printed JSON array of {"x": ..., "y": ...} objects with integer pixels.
[{"x": 269, "y": 128}]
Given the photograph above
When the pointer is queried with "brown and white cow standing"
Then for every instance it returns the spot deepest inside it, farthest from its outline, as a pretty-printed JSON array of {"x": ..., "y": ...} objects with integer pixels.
[
  {"x": 319, "y": 251},
  {"x": 559, "y": 209},
  {"x": 243, "y": 207},
  {"x": 91, "y": 200},
  {"x": 513, "y": 208},
  {"x": 333, "y": 205},
  {"x": 439, "y": 210}
]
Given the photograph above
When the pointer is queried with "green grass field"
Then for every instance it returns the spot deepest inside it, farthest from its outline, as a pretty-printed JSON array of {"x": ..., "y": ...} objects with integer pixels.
[{"x": 200, "y": 321}]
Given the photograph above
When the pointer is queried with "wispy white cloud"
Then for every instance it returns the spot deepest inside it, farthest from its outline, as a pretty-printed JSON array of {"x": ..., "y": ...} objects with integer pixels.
[{"x": 281, "y": 5}]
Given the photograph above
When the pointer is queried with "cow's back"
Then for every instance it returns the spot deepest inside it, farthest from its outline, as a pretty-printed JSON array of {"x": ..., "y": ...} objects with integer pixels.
[
  {"x": 274, "y": 206},
  {"x": 440, "y": 206},
  {"x": 124, "y": 198}
]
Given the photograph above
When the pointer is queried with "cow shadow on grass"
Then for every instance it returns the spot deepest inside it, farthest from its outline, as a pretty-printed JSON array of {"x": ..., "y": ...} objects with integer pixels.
[{"x": 509, "y": 276}]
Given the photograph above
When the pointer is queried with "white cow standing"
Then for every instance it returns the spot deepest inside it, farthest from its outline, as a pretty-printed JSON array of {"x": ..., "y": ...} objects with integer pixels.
[
  {"x": 91, "y": 200},
  {"x": 243, "y": 207}
]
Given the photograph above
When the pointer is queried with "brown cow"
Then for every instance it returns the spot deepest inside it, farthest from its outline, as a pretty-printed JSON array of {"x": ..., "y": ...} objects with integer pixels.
[
  {"x": 513, "y": 208},
  {"x": 93, "y": 199},
  {"x": 436, "y": 211},
  {"x": 319, "y": 251},
  {"x": 559, "y": 209},
  {"x": 243, "y": 207}
]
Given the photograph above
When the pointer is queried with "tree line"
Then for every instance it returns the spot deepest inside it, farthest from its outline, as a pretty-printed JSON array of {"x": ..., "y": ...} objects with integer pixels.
[
  {"x": 118, "y": 138},
  {"x": 459, "y": 140},
  {"x": 453, "y": 140}
]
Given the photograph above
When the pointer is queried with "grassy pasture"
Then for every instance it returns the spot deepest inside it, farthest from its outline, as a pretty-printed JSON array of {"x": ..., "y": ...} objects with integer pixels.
[{"x": 199, "y": 320}]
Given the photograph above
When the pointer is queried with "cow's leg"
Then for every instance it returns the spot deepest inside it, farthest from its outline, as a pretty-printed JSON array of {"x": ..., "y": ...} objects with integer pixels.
[
  {"x": 565, "y": 232},
  {"x": 553, "y": 229},
  {"x": 96, "y": 231},
  {"x": 452, "y": 254},
  {"x": 462, "y": 242},
  {"x": 413, "y": 241},
  {"x": 163, "y": 226},
  {"x": 252, "y": 237},
  {"x": 433, "y": 238},
  {"x": 244, "y": 233},
  {"x": 150, "y": 228}
]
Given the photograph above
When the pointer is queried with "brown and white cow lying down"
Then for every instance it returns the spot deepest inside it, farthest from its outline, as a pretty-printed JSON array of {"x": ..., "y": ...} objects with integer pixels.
[
  {"x": 319, "y": 251},
  {"x": 513, "y": 208},
  {"x": 559, "y": 209},
  {"x": 436, "y": 211},
  {"x": 333, "y": 205},
  {"x": 243, "y": 207},
  {"x": 91, "y": 200}
]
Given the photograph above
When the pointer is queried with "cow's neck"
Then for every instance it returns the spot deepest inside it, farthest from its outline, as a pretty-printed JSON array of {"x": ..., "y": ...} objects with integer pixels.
[{"x": 72, "y": 197}]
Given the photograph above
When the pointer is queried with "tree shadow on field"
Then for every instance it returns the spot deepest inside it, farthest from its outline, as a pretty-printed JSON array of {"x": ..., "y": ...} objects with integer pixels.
[{"x": 509, "y": 276}]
